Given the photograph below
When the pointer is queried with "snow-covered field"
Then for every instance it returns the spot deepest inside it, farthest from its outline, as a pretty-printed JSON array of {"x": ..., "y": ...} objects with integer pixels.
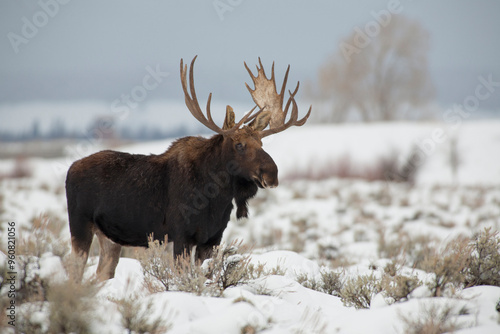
[{"x": 304, "y": 229}]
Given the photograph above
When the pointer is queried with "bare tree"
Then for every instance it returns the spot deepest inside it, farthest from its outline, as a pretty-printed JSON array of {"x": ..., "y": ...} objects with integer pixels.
[{"x": 378, "y": 74}]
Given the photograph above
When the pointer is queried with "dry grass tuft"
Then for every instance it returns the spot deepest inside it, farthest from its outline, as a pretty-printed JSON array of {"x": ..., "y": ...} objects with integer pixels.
[
  {"x": 359, "y": 291},
  {"x": 136, "y": 317},
  {"x": 330, "y": 282}
]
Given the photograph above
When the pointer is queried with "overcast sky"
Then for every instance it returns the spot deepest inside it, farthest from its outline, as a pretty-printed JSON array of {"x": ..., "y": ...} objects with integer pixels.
[{"x": 101, "y": 49}]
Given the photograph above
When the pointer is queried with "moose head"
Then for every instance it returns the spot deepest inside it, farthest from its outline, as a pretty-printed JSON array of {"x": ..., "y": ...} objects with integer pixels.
[{"x": 242, "y": 141}]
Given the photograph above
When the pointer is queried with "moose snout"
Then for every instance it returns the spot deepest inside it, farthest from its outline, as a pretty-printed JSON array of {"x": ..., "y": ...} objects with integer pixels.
[
  {"x": 268, "y": 175},
  {"x": 270, "y": 179},
  {"x": 268, "y": 172},
  {"x": 265, "y": 179}
]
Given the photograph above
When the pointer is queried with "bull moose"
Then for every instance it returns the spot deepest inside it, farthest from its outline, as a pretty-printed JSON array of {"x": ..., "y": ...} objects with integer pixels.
[{"x": 185, "y": 193}]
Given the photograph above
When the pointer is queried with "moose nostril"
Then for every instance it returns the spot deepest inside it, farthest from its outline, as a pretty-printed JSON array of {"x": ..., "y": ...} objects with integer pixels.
[
  {"x": 275, "y": 183},
  {"x": 270, "y": 179}
]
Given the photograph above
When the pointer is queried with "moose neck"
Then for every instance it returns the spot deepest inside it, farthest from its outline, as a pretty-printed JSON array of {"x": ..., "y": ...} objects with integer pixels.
[{"x": 217, "y": 169}]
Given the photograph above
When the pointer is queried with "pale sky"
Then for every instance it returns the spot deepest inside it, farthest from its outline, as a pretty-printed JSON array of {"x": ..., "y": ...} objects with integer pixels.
[{"x": 99, "y": 49}]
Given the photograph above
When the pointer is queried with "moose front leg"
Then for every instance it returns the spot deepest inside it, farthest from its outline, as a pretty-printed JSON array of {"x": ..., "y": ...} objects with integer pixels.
[
  {"x": 206, "y": 249},
  {"x": 181, "y": 247}
]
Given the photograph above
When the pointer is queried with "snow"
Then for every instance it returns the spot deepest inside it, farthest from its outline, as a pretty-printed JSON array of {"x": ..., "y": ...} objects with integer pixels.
[
  {"x": 317, "y": 145},
  {"x": 302, "y": 226},
  {"x": 289, "y": 307},
  {"x": 51, "y": 268},
  {"x": 128, "y": 280}
]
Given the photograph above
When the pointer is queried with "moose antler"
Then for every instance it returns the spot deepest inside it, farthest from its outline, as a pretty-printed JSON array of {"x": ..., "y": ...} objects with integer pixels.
[
  {"x": 194, "y": 107},
  {"x": 267, "y": 98}
]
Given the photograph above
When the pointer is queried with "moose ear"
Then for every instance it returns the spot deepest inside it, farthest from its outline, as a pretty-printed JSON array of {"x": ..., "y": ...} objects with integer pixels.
[
  {"x": 261, "y": 121},
  {"x": 229, "y": 120}
]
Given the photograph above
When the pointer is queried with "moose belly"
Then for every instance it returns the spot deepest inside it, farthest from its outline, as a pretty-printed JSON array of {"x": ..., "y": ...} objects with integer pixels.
[{"x": 130, "y": 225}]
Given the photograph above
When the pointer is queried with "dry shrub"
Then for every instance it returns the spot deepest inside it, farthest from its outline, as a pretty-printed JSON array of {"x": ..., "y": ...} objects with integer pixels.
[
  {"x": 273, "y": 236},
  {"x": 395, "y": 285},
  {"x": 163, "y": 272},
  {"x": 43, "y": 237},
  {"x": 398, "y": 287},
  {"x": 157, "y": 263},
  {"x": 62, "y": 307},
  {"x": 330, "y": 282},
  {"x": 432, "y": 319},
  {"x": 383, "y": 168},
  {"x": 392, "y": 268},
  {"x": 461, "y": 263},
  {"x": 32, "y": 318},
  {"x": 448, "y": 265},
  {"x": 297, "y": 235},
  {"x": 328, "y": 251},
  {"x": 279, "y": 270},
  {"x": 72, "y": 307},
  {"x": 21, "y": 169},
  {"x": 136, "y": 317},
  {"x": 340, "y": 261},
  {"x": 259, "y": 270},
  {"x": 406, "y": 172},
  {"x": 414, "y": 249},
  {"x": 32, "y": 288},
  {"x": 358, "y": 291},
  {"x": 340, "y": 168},
  {"x": 308, "y": 282},
  {"x": 189, "y": 276},
  {"x": 248, "y": 329},
  {"x": 45, "y": 305},
  {"x": 228, "y": 266},
  {"x": 484, "y": 265},
  {"x": 48, "y": 221}
]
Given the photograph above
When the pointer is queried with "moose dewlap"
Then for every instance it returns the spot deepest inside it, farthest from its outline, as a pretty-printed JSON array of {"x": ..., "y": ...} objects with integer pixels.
[{"x": 185, "y": 193}]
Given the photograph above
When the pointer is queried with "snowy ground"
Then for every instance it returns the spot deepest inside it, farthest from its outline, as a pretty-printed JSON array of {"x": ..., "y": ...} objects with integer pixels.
[{"x": 308, "y": 227}]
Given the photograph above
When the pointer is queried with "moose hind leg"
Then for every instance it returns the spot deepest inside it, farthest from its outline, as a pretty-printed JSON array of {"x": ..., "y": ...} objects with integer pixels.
[
  {"x": 108, "y": 257},
  {"x": 81, "y": 239}
]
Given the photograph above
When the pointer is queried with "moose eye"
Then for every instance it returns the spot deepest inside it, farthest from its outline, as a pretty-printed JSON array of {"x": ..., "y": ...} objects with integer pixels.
[{"x": 239, "y": 146}]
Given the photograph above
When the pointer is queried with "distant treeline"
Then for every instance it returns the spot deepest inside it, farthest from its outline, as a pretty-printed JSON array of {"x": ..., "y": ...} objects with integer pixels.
[{"x": 59, "y": 131}]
